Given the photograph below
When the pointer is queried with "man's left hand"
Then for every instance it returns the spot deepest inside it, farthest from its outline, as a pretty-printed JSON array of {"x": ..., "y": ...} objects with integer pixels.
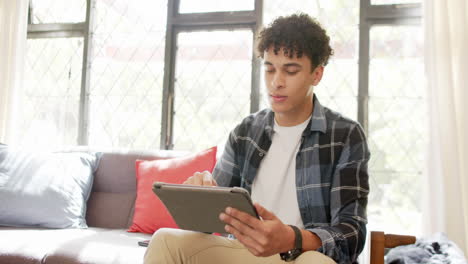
[{"x": 262, "y": 238}]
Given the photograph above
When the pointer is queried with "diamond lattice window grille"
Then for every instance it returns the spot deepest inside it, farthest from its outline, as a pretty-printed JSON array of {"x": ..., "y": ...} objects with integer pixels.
[
  {"x": 127, "y": 68},
  {"x": 51, "y": 93},
  {"x": 212, "y": 86},
  {"x": 58, "y": 11},
  {"x": 397, "y": 127}
]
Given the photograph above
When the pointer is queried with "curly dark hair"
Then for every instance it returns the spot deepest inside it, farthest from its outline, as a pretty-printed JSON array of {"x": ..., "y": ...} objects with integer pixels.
[{"x": 298, "y": 35}]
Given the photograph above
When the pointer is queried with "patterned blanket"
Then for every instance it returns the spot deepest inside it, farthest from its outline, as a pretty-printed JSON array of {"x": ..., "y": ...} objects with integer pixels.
[{"x": 435, "y": 249}]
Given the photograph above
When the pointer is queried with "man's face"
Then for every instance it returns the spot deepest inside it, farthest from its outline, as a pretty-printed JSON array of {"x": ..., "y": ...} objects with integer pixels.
[{"x": 289, "y": 82}]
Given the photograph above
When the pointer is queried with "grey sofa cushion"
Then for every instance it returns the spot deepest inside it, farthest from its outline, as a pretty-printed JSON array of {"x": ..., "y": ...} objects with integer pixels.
[
  {"x": 114, "y": 190},
  {"x": 45, "y": 189},
  {"x": 118, "y": 208}
]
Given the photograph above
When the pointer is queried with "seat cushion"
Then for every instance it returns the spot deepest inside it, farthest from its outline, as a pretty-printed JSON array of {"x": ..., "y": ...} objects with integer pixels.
[{"x": 92, "y": 245}]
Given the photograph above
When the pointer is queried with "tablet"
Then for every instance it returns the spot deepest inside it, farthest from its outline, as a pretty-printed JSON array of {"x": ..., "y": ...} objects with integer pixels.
[{"x": 198, "y": 208}]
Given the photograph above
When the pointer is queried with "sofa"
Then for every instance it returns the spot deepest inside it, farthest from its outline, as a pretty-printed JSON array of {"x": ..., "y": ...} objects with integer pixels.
[{"x": 109, "y": 213}]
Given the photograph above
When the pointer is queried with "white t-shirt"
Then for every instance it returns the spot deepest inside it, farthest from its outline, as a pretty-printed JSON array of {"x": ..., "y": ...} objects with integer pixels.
[{"x": 274, "y": 187}]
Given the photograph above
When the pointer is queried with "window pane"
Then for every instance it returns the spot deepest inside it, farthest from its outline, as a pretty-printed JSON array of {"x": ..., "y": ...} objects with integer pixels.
[
  {"x": 127, "y": 73},
  {"x": 392, "y": 2},
  {"x": 58, "y": 11},
  {"x": 397, "y": 120},
  {"x": 201, "y": 6},
  {"x": 50, "y": 97},
  {"x": 339, "y": 86},
  {"x": 212, "y": 87}
]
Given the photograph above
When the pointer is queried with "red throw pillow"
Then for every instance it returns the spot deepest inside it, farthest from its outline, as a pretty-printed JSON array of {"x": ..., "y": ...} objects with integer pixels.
[{"x": 150, "y": 213}]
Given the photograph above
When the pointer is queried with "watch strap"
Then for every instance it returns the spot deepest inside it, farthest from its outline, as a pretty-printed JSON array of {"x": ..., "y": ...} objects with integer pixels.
[
  {"x": 297, "y": 250},
  {"x": 298, "y": 237}
]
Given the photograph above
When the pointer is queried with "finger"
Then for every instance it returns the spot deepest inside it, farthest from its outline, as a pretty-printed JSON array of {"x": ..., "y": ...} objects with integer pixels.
[
  {"x": 198, "y": 178},
  {"x": 242, "y": 227},
  {"x": 253, "y": 251},
  {"x": 264, "y": 213},
  {"x": 213, "y": 181},
  {"x": 248, "y": 225},
  {"x": 189, "y": 180},
  {"x": 244, "y": 217},
  {"x": 245, "y": 240},
  {"x": 207, "y": 179}
]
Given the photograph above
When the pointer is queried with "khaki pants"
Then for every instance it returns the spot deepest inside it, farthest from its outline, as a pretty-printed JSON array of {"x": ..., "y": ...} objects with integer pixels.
[{"x": 170, "y": 246}]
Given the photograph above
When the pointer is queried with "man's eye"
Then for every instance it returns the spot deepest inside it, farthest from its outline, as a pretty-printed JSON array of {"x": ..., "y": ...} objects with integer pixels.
[
  {"x": 291, "y": 72},
  {"x": 269, "y": 70}
]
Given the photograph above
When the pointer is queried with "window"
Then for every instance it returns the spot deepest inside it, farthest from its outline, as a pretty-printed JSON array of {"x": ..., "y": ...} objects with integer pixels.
[
  {"x": 51, "y": 93},
  {"x": 151, "y": 74},
  {"x": 212, "y": 76},
  {"x": 397, "y": 121},
  {"x": 126, "y": 74},
  {"x": 50, "y": 100},
  {"x": 395, "y": 117}
]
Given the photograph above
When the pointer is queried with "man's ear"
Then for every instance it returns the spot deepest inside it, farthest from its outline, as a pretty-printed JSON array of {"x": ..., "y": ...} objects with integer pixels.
[{"x": 317, "y": 75}]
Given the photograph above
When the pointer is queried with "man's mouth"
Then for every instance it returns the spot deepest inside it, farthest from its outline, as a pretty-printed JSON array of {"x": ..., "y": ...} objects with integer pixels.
[{"x": 278, "y": 98}]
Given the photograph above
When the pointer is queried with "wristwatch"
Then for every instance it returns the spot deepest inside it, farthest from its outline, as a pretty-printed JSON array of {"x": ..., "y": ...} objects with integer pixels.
[{"x": 297, "y": 250}]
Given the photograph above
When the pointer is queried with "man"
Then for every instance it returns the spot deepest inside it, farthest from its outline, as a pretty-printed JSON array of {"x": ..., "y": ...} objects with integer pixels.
[{"x": 305, "y": 166}]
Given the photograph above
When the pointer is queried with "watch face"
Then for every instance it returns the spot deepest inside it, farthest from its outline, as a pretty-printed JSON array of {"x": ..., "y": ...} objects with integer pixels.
[
  {"x": 296, "y": 252},
  {"x": 291, "y": 255}
]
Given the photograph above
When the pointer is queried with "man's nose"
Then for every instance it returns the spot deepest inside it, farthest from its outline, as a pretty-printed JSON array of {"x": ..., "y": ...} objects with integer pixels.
[{"x": 278, "y": 80}]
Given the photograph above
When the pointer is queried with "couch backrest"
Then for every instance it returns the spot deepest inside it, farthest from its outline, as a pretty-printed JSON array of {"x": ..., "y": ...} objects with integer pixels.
[{"x": 112, "y": 200}]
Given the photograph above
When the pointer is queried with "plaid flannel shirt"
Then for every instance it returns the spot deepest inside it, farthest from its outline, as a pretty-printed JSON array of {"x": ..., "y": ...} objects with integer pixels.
[{"x": 331, "y": 175}]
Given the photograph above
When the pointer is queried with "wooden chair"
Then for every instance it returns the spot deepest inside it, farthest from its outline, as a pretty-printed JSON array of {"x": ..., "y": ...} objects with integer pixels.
[{"x": 380, "y": 241}]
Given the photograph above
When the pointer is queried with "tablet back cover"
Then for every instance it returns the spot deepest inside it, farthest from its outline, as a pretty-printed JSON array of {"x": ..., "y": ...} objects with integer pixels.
[{"x": 198, "y": 208}]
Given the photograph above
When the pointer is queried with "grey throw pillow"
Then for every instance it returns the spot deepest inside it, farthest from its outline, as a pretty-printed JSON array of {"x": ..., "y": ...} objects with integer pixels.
[{"x": 45, "y": 189}]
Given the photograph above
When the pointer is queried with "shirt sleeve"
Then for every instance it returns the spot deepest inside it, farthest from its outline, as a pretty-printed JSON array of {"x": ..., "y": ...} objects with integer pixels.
[
  {"x": 344, "y": 239},
  {"x": 227, "y": 171}
]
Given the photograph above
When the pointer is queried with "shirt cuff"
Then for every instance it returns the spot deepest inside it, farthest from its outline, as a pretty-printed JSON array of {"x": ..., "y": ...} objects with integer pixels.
[{"x": 328, "y": 243}]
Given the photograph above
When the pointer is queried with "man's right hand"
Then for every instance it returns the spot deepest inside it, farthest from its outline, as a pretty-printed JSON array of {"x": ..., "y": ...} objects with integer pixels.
[{"x": 201, "y": 178}]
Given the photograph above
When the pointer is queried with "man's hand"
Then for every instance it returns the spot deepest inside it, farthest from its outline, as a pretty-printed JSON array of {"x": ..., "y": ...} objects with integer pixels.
[
  {"x": 201, "y": 178},
  {"x": 261, "y": 238}
]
